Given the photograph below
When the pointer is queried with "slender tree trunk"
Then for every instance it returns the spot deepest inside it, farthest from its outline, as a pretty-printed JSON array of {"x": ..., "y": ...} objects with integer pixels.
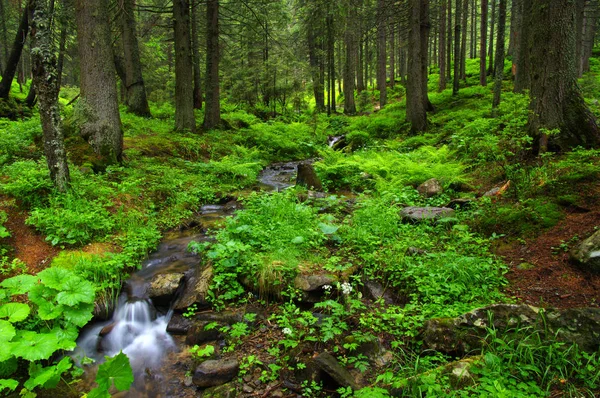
[
  {"x": 442, "y": 41},
  {"x": 416, "y": 112},
  {"x": 45, "y": 79},
  {"x": 98, "y": 102},
  {"x": 212, "y": 108},
  {"x": 473, "y": 41},
  {"x": 482, "y": 45},
  {"x": 196, "y": 57},
  {"x": 137, "y": 102},
  {"x": 360, "y": 72},
  {"x": 184, "y": 68},
  {"x": 556, "y": 101},
  {"x": 463, "y": 45},
  {"x": 3, "y": 36},
  {"x": 499, "y": 67},
  {"x": 523, "y": 50},
  {"x": 516, "y": 26},
  {"x": 491, "y": 46},
  {"x": 331, "y": 60},
  {"x": 31, "y": 96},
  {"x": 579, "y": 34},
  {"x": 62, "y": 46},
  {"x": 350, "y": 41},
  {"x": 457, "y": 52},
  {"x": 392, "y": 56},
  {"x": 15, "y": 54},
  {"x": 590, "y": 24},
  {"x": 403, "y": 61},
  {"x": 449, "y": 41},
  {"x": 381, "y": 52},
  {"x": 315, "y": 63}
]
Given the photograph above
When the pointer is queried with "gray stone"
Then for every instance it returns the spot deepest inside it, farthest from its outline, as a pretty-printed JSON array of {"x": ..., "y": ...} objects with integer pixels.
[
  {"x": 223, "y": 391},
  {"x": 328, "y": 364},
  {"x": 164, "y": 285},
  {"x": 375, "y": 291},
  {"x": 416, "y": 214},
  {"x": 307, "y": 177},
  {"x": 311, "y": 283},
  {"x": 196, "y": 288},
  {"x": 430, "y": 188},
  {"x": 215, "y": 372},
  {"x": 587, "y": 254},
  {"x": 178, "y": 324}
]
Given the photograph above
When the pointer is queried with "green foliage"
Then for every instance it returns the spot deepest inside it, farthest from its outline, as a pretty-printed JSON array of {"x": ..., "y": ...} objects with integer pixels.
[
  {"x": 27, "y": 180},
  {"x": 18, "y": 139},
  {"x": 117, "y": 372},
  {"x": 200, "y": 353}
]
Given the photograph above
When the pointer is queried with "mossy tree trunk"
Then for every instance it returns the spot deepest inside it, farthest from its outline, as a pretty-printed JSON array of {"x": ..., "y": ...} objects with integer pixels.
[
  {"x": 98, "y": 106},
  {"x": 350, "y": 64},
  {"x": 212, "y": 106},
  {"x": 442, "y": 42},
  {"x": 45, "y": 79},
  {"x": 381, "y": 52},
  {"x": 499, "y": 66},
  {"x": 196, "y": 57},
  {"x": 483, "y": 43},
  {"x": 457, "y": 52},
  {"x": 137, "y": 101},
  {"x": 523, "y": 59},
  {"x": 559, "y": 117},
  {"x": 416, "y": 101},
  {"x": 10, "y": 69},
  {"x": 184, "y": 68}
]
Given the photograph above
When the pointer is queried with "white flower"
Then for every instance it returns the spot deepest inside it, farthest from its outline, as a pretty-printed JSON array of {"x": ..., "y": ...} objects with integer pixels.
[
  {"x": 287, "y": 331},
  {"x": 327, "y": 287},
  {"x": 346, "y": 288}
]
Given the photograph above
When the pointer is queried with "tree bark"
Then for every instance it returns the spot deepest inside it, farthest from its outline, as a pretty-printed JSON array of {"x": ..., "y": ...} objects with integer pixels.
[
  {"x": 315, "y": 62},
  {"x": 46, "y": 82},
  {"x": 212, "y": 106},
  {"x": 482, "y": 45},
  {"x": 491, "y": 41},
  {"x": 499, "y": 67},
  {"x": 381, "y": 52},
  {"x": 184, "y": 68},
  {"x": 349, "y": 72},
  {"x": 196, "y": 57},
  {"x": 463, "y": 44},
  {"x": 137, "y": 101},
  {"x": 416, "y": 111},
  {"x": 556, "y": 101},
  {"x": 449, "y": 47},
  {"x": 457, "y": 52},
  {"x": 62, "y": 46},
  {"x": 15, "y": 54},
  {"x": 442, "y": 41},
  {"x": 392, "y": 53},
  {"x": 331, "y": 62},
  {"x": 579, "y": 34},
  {"x": 98, "y": 105},
  {"x": 523, "y": 64},
  {"x": 590, "y": 24},
  {"x": 3, "y": 36}
]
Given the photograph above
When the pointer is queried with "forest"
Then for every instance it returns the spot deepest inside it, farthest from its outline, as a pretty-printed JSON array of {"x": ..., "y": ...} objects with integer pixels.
[{"x": 299, "y": 198}]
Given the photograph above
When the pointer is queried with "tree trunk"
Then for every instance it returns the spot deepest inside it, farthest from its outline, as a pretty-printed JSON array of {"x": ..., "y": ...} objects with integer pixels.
[
  {"x": 98, "y": 103},
  {"x": 416, "y": 112},
  {"x": 212, "y": 107},
  {"x": 590, "y": 24},
  {"x": 523, "y": 65},
  {"x": 482, "y": 45},
  {"x": 184, "y": 68},
  {"x": 442, "y": 41},
  {"x": 579, "y": 35},
  {"x": 516, "y": 26},
  {"x": 449, "y": 27},
  {"x": 499, "y": 67},
  {"x": 137, "y": 102},
  {"x": 360, "y": 72},
  {"x": 15, "y": 54},
  {"x": 457, "y": 52},
  {"x": 61, "y": 50},
  {"x": 3, "y": 36},
  {"x": 331, "y": 61},
  {"x": 463, "y": 44},
  {"x": 559, "y": 117},
  {"x": 46, "y": 82},
  {"x": 381, "y": 52},
  {"x": 315, "y": 63},
  {"x": 196, "y": 57},
  {"x": 491, "y": 46},
  {"x": 473, "y": 41},
  {"x": 350, "y": 41},
  {"x": 31, "y": 96},
  {"x": 392, "y": 56}
]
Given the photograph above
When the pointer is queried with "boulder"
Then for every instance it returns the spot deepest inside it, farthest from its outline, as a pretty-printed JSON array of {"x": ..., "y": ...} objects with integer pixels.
[
  {"x": 215, "y": 372},
  {"x": 587, "y": 254},
  {"x": 223, "y": 391},
  {"x": 178, "y": 324},
  {"x": 430, "y": 188},
  {"x": 310, "y": 283},
  {"x": 328, "y": 364},
  {"x": 375, "y": 291},
  {"x": 417, "y": 214},
  {"x": 307, "y": 177},
  {"x": 196, "y": 288},
  {"x": 163, "y": 287}
]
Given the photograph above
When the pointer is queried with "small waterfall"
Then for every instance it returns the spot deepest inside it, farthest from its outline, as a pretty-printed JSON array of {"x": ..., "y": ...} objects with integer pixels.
[{"x": 332, "y": 140}]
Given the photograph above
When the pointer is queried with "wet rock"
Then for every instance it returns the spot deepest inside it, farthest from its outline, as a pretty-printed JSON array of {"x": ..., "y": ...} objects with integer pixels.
[
  {"x": 587, "y": 254},
  {"x": 577, "y": 325},
  {"x": 310, "y": 283},
  {"x": 375, "y": 291},
  {"x": 179, "y": 325},
  {"x": 196, "y": 287},
  {"x": 198, "y": 335},
  {"x": 430, "y": 188},
  {"x": 328, "y": 364},
  {"x": 307, "y": 177},
  {"x": 223, "y": 391},
  {"x": 163, "y": 287},
  {"x": 224, "y": 317},
  {"x": 107, "y": 329},
  {"x": 498, "y": 191},
  {"x": 416, "y": 214},
  {"x": 459, "y": 372},
  {"x": 215, "y": 372}
]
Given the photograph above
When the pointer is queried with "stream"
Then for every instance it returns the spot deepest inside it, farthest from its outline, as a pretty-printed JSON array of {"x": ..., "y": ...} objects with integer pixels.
[{"x": 138, "y": 326}]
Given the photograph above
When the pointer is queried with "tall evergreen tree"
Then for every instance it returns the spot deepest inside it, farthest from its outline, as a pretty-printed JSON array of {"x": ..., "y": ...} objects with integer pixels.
[
  {"x": 212, "y": 106},
  {"x": 184, "y": 91}
]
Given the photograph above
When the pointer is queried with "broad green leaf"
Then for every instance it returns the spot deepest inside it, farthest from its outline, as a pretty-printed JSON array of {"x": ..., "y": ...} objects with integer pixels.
[
  {"x": 47, "y": 377},
  {"x": 48, "y": 310},
  {"x": 79, "y": 315},
  {"x": 328, "y": 229},
  {"x": 7, "y": 331},
  {"x": 298, "y": 239},
  {"x": 15, "y": 312},
  {"x": 8, "y": 383},
  {"x": 76, "y": 291},
  {"x": 34, "y": 346},
  {"x": 98, "y": 393},
  {"x": 55, "y": 277},
  {"x": 115, "y": 370},
  {"x": 19, "y": 284}
]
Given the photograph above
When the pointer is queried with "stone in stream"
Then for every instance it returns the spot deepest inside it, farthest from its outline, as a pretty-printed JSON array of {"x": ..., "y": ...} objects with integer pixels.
[
  {"x": 163, "y": 287},
  {"x": 328, "y": 364},
  {"x": 587, "y": 254},
  {"x": 416, "y": 214},
  {"x": 430, "y": 188},
  {"x": 307, "y": 177},
  {"x": 196, "y": 287},
  {"x": 215, "y": 372}
]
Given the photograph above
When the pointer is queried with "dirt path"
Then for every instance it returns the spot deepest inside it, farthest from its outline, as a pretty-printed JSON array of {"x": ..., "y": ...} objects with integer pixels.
[
  {"x": 27, "y": 245},
  {"x": 540, "y": 273}
]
